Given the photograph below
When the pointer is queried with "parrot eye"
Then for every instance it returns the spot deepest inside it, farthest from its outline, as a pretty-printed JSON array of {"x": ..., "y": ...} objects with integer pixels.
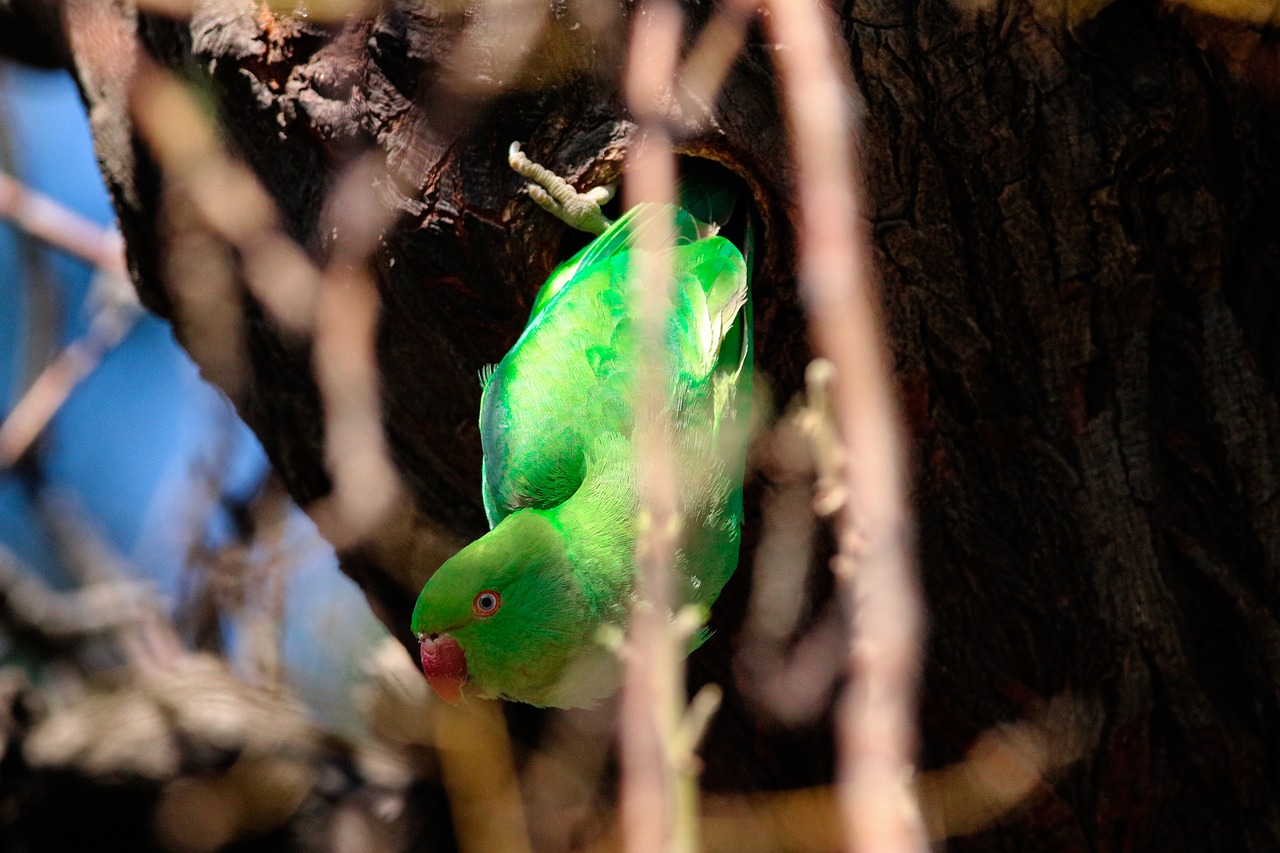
[{"x": 486, "y": 603}]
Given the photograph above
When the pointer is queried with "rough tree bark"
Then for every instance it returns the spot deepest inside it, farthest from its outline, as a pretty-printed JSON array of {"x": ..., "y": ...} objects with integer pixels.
[{"x": 1077, "y": 239}]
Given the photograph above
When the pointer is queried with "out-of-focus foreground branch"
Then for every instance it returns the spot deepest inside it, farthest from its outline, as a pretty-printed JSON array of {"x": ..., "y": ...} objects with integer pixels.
[
  {"x": 875, "y": 567},
  {"x": 117, "y": 309}
]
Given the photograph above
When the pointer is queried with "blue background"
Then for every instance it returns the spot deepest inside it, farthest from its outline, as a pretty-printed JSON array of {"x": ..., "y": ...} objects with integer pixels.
[{"x": 132, "y": 443}]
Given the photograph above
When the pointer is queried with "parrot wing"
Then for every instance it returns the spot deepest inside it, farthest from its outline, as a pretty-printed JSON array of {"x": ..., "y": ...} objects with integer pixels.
[
  {"x": 621, "y": 236},
  {"x": 560, "y": 385},
  {"x": 710, "y": 336},
  {"x": 570, "y": 376}
]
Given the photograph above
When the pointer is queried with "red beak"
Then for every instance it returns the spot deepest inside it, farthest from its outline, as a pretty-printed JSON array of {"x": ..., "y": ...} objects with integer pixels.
[{"x": 445, "y": 666}]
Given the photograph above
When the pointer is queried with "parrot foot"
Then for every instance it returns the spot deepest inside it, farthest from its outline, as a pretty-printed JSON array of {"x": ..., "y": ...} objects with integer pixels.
[{"x": 556, "y": 196}]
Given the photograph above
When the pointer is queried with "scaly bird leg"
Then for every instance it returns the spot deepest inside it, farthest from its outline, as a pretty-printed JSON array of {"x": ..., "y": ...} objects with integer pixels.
[{"x": 554, "y": 194}]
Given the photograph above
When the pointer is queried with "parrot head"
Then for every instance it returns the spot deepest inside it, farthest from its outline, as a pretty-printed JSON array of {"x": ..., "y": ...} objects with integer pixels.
[{"x": 504, "y": 617}]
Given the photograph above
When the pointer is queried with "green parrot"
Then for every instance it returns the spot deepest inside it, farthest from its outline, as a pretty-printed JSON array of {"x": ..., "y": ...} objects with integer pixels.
[{"x": 517, "y": 613}]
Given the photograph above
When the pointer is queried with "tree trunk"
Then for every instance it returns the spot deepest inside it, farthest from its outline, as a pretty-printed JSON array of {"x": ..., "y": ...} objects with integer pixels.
[{"x": 1076, "y": 235}]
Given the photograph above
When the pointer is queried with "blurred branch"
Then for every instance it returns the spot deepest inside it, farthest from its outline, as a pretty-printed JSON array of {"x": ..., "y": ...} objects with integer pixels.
[
  {"x": 562, "y": 780},
  {"x": 80, "y": 546},
  {"x": 99, "y": 607},
  {"x": 475, "y": 759},
  {"x": 1007, "y": 767},
  {"x": 51, "y": 388},
  {"x": 793, "y": 678},
  {"x": 214, "y": 760},
  {"x": 149, "y": 642},
  {"x": 365, "y": 483},
  {"x": 58, "y": 226},
  {"x": 709, "y": 60},
  {"x": 209, "y": 570},
  {"x": 208, "y": 305},
  {"x": 874, "y": 569},
  {"x": 658, "y": 734},
  {"x": 226, "y": 195},
  {"x": 495, "y": 46},
  {"x": 339, "y": 306},
  {"x": 471, "y": 743},
  {"x": 265, "y": 572},
  {"x": 229, "y": 760}
]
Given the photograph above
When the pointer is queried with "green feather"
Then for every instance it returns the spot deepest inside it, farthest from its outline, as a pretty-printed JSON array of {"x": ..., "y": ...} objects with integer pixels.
[{"x": 557, "y": 422}]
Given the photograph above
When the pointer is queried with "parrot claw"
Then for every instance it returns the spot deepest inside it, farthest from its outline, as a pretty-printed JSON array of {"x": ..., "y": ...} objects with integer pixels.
[
  {"x": 558, "y": 197},
  {"x": 603, "y": 194}
]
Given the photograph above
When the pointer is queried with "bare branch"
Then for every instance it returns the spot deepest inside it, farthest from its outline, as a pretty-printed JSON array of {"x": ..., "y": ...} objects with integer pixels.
[
  {"x": 656, "y": 812},
  {"x": 64, "y": 229},
  {"x": 365, "y": 484},
  {"x": 475, "y": 756},
  {"x": 339, "y": 306},
  {"x": 59, "y": 226},
  {"x": 97, "y": 608},
  {"x": 877, "y": 722},
  {"x": 230, "y": 200},
  {"x": 55, "y": 383},
  {"x": 709, "y": 61}
]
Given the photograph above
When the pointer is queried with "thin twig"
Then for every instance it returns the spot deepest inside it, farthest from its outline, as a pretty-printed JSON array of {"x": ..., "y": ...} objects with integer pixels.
[
  {"x": 365, "y": 483},
  {"x": 150, "y": 642},
  {"x": 64, "y": 229},
  {"x": 707, "y": 65},
  {"x": 648, "y": 695},
  {"x": 339, "y": 306},
  {"x": 55, "y": 383},
  {"x": 658, "y": 734},
  {"x": 227, "y": 195},
  {"x": 98, "y": 607},
  {"x": 874, "y": 567},
  {"x": 790, "y": 678},
  {"x": 59, "y": 226}
]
